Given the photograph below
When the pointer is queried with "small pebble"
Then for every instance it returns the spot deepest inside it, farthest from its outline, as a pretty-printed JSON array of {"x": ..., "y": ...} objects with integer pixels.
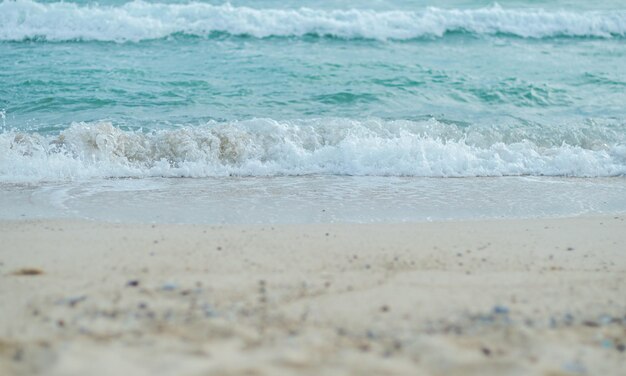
[
  {"x": 553, "y": 322},
  {"x": 169, "y": 286},
  {"x": 28, "y": 272},
  {"x": 73, "y": 301},
  {"x": 19, "y": 354},
  {"x": 208, "y": 310},
  {"x": 132, "y": 283},
  {"x": 500, "y": 310},
  {"x": 607, "y": 344},
  {"x": 606, "y": 319},
  {"x": 591, "y": 324}
]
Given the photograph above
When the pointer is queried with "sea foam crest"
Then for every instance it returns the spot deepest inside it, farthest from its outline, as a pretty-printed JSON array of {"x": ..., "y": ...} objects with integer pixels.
[
  {"x": 265, "y": 147},
  {"x": 138, "y": 20}
]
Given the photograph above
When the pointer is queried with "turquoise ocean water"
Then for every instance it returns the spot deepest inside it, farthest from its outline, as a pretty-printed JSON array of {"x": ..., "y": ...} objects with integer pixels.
[{"x": 266, "y": 88}]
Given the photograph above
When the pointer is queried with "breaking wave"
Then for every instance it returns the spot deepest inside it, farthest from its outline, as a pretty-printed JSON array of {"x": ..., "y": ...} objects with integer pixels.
[
  {"x": 138, "y": 20},
  {"x": 265, "y": 147}
]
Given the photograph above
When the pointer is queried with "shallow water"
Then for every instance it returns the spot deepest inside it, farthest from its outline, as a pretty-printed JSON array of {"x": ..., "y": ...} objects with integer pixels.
[{"x": 313, "y": 199}]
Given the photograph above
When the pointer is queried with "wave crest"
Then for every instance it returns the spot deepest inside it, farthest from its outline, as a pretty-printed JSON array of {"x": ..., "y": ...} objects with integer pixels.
[
  {"x": 264, "y": 147},
  {"x": 138, "y": 20}
]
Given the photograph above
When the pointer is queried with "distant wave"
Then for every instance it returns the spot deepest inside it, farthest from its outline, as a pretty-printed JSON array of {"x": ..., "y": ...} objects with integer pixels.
[
  {"x": 265, "y": 147},
  {"x": 138, "y": 20}
]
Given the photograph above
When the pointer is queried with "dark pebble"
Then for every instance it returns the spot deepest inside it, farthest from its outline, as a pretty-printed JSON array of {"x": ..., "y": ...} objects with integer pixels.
[
  {"x": 73, "y": 301},
  {"x": 132, "y": 283},
  {"x": 486, "y": 351},
  {"x": 500, "y": 310},
  {"x": 19, "y": 355},
  {"x": 28, "y": 272},
  {"x": 397, "y": 345}
]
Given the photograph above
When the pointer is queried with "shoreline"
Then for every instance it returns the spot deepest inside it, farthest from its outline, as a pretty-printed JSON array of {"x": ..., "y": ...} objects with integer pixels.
[
  {"x": 538, "y": 296},
  {"x": 314, "y": 199}
]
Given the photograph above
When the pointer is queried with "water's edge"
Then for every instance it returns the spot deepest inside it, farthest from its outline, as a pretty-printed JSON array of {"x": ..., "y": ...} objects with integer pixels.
[{"x": 313, "y": 199}]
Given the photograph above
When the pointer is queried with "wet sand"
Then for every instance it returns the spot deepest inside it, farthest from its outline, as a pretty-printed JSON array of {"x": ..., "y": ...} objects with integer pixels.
[{"x": 536, "y": 296}]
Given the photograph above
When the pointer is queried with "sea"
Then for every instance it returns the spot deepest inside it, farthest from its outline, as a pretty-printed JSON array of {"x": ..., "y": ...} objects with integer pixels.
[{"x": 267, "y": 111}]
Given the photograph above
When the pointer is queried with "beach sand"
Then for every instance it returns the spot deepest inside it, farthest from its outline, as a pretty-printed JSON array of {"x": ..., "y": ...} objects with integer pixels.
[{"x": 515, "y": 297}]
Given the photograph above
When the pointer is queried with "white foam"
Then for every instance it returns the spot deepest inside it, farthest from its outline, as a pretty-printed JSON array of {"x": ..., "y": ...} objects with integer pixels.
[
  {"x": 138, "y": 20},
  {"x": 264, "y": 147}
]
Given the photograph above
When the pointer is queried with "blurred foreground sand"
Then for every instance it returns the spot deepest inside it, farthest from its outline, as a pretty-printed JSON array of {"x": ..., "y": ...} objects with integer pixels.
[{"x": 545, "y": 297}]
